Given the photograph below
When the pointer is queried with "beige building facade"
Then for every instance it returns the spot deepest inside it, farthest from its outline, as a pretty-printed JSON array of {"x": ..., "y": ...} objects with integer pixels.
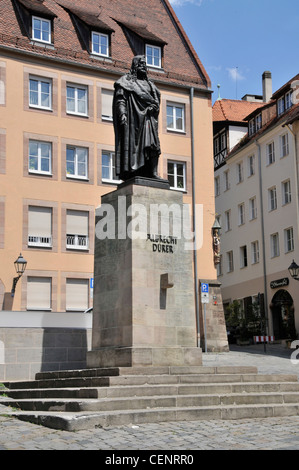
[
  {"x": 58, "y": 65},
  {"x": 257, "y": 203}
]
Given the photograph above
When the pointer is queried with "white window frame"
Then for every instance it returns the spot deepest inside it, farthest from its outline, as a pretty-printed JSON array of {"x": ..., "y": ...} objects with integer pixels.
[
  {"x": 272, "y": 198},
  {"x": 274, "y": 241},
  {"x": 243, "y": 257},
  {"x": 41, "y": 241},
  {"x": 217, "y": 186},
  {"x": 255, "y": 252},
  {"x": 48, "y": 302},
  {"x": 111, "y": 168},
  {"x": 251, "y": 165},
  {"x": 76, "y": 89},
  {"x": 75, "y": 241},
  {"x": 174, "y": 107},
  {"x": 252, "y": 208},
  {"x": 280, "y": 106},
  {"x": 42, "y": 20},
  {"x": 251, "y": 127},
  {"x": 286, "y": 192},
  {"x": 240, "y": 174},
  {"x": 270, "y": 153},
  {"x": 39, "y": 157},
  {"x": 230, "y": 261},
  {"x": 175, "y": 175},
  {"x": 76, "y": 174},
  {"x": 288, "y": 240},
  {"x": 258, "y": 122},
  {"x": 241, "y": 213},
  {"x": 228, "y": 220},
  {"x": 39, "y": 92},
  {"x": 284, "y": 145},
  {"x": 288, "y": 100},
  {"x": 150, "y": 63},
  {"x": 95, "y": 34}
]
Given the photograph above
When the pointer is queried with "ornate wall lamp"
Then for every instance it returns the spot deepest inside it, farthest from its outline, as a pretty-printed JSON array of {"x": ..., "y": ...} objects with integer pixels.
[
  {"x": 294, "y": 270},
  {"x": 20, "y": 266}
]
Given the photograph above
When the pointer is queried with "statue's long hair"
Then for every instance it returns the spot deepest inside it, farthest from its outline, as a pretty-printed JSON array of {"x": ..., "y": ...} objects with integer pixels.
[{"x": 132, "y": 75}]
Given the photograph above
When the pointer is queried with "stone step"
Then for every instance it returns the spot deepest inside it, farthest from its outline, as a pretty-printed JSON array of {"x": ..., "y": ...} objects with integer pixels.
[
  {"x": 149, "y": 390},
  {"x": 163, "y": 370},
  {"x": 104, "y": 381},
  {"x": 75, "y": 421},
  {"x": 152, "y": 402}
]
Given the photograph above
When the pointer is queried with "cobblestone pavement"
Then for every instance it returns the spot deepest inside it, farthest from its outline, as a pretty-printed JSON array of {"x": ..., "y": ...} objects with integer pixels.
[{"x": 245, "y": 434}]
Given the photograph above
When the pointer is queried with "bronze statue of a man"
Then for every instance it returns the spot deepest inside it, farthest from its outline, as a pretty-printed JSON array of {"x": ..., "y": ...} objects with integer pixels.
[{"x": 136, "y": 106}]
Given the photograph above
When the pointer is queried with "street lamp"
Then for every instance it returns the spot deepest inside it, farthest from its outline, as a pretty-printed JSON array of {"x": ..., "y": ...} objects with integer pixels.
[
  {"x": 20, "y": 266},
  {"x": 294, "y": 270}
]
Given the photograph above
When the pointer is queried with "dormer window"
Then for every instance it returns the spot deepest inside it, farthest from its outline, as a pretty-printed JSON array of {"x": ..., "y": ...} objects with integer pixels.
[
  {"x": 41, "y": 29},
  {"x": 284, "y": 103},
  {"x": 153, "y": 56},
  {"x": 255, "y": 124},
  {"x": 100, "y": 44}
]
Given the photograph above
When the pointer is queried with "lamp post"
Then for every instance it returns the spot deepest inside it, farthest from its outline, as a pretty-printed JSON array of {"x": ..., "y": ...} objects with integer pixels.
[
  {"x": 294, "y": 270},
  {"x": 20, "y": 266}
]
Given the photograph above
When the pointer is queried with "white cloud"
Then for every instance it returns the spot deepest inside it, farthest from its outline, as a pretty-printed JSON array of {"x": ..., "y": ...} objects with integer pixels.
[
  {"x": 235, "y": 74},
  {"x": 180, "y": 3}
]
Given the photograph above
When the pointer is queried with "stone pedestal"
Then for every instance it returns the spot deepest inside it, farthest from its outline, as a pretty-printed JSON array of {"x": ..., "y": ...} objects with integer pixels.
[{"x": 144, "y": 309}]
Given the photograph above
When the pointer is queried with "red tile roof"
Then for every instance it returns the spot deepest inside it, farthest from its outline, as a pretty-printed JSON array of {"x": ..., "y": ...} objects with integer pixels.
[
  {"x": 181, "y": 64},
  {"x": 233, "y": 110}
]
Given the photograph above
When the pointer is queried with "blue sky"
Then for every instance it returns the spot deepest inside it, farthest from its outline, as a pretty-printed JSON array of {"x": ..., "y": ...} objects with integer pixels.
[{"x": 237, "y": 40}]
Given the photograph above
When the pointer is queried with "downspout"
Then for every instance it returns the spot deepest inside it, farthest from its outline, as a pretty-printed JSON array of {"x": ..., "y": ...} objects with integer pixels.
[
  {"x": 193, "y": 217},
  {"x": 263, "y": 234},
  {"x": 295, "y": 174}
]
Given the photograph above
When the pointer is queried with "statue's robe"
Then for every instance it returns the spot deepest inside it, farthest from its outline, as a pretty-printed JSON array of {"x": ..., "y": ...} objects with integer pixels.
[{"x": 138, "y": 140}]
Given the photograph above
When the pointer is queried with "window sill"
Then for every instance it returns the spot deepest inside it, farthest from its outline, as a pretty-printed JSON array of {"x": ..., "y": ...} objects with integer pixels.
[
  {"x": 36, "y": 42},
  {"x": 39, "y": 173},
  {"x": 182, "y": 190},
  {"x": 176, "y": 131},
  {"x": 77, "y": 178},
  {"x": 40, "y": 108},
  {"x": 114, "y": 182},
  {"x": 71, "y": 113}
]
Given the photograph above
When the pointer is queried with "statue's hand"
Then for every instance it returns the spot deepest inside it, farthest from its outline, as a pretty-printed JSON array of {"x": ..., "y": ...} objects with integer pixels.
[{"x": 123, "y": 120}]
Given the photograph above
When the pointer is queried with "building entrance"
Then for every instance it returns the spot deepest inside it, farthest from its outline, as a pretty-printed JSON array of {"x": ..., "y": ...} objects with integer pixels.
[{"x": 282, "y": 308}]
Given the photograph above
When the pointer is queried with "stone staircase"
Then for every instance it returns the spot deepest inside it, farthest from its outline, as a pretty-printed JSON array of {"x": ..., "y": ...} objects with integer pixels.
[{"x": 83, "y": 399}]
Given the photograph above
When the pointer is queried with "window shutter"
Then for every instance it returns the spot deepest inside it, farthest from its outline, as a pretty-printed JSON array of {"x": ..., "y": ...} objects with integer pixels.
[
  {"x": 107, "y": 98},
  {"x": 40, "y": 221},
  {"x": 39, "y": 293},
  {"x": 77, "y": 294},
  {"x": 77, "y": 222}
]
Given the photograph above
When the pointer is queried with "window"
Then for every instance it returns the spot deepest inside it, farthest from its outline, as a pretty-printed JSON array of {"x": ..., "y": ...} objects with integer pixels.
[
  {"x": 274, "y": 241},
  {"x": 258, "y": 122},
  {"x": 280, "y": 106},
  {"x": 217, "y": 185},
  {"x": 286, "y": 192},
  {"x": 76, "y": 162},
  {"x": 39, "y": 293},
  {"x": 40, "y": 157},
  {"x": 255, "y": 252},
  {"x": 77, "y": 230},
  {"x": 107, "y": 99},
  {"x": 100, "y": 44},
  {"x": 239, "y": 172},
  {"x": 272, "y": 198},
  {"x": 40, "y": 93},
  {"x": 40, "y": 227},
  {"x": 227, "y": 221},
  {"x": 226, "y": 180},
  {"x": 241, "y": 213},
  {"x": 77, "y": 293},
  {"x": 243, "y": 256},
  {"x": 108, "y": 168},
  {"x": 76, "y": 99},
  {"x": 288, "y": 100},
  {"x": 175, "y": 117},
  {"x": 176, "y": 173},
  {"x": 153, "y": 56},
  {"x": 251, "y": 165},
  {"x": 251, "y": 127},
  {"x": 223, "y": 141},
  {"x": 230, "y": 261},
  {"x": 216, "y": 145},
  {"x": 41, "y": 29},
  {"x": 288, "y": 240},
  {"x": 270, "y": 153},
  {"x": 219, "y": 267},
  {"x": 252, "y": 208},
  {"x": 284, "y": 141}
]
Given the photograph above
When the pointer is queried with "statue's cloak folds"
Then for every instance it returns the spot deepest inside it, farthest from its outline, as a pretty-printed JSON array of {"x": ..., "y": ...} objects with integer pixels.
[{"x": 136, "y": 141}]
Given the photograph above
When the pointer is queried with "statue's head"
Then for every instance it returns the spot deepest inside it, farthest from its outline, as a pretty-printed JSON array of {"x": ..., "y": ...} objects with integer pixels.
[{"x": 138, "y": 67}]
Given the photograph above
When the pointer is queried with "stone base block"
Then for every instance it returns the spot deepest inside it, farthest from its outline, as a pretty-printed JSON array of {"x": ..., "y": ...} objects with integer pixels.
[{"x": 144, "y": 357}]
